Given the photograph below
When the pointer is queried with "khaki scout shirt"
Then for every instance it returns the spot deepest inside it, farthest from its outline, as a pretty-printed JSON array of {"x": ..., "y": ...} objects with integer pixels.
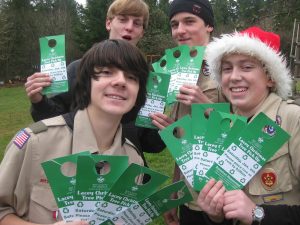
[
  {"x": 278, "y": 182},
  {"x": 211, "y": 90},
  {"x": 24, "y": 189}
]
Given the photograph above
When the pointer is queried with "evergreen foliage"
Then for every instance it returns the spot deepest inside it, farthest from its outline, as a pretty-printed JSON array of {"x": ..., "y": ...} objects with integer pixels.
[{"x": 23, "y": 22}]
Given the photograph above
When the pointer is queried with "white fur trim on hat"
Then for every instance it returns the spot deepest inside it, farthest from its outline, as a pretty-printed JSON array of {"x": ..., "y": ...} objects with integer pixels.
[{"x": 274, "y": 62}]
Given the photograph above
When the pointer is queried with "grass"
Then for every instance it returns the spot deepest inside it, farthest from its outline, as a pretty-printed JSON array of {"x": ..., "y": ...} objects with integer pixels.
[{"x": 14, "y": 115}]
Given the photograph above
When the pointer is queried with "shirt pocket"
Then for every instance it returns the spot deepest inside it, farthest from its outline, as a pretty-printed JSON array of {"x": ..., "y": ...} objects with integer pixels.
[
  {"x": 274, "y": 177},
  {"x": 42, "y": 207}
]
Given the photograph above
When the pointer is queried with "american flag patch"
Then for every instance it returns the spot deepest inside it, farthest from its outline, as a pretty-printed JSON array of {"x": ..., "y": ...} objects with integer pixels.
[{"x": 21, "y": 138}]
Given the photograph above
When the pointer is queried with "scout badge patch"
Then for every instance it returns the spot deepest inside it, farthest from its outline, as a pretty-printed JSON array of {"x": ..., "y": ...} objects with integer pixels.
[
  {"x": 21, "y": 138},
  {"x": 268, "y": 179}
]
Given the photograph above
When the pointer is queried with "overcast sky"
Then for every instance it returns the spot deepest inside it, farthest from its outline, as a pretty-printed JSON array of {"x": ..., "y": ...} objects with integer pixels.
[{"x": 81, "y": 1}]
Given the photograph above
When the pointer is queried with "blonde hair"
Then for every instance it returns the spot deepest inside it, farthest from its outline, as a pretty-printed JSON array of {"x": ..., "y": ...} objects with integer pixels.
[{"x": 129, "y": 7}]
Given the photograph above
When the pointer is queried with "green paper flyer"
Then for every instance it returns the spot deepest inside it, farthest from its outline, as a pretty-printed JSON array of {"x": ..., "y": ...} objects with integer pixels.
[
  {"x": 126, "y": 191},
  {"x": 257, "y": 143},
  {"x": 53, "y": 62},
  {"x": 61, "y": 173},
  {"x": 200, "y": 116},
  {"x": 95, "y": 176},
  {"x": 160, "y": 66},
  {"x": 157, "y": 90},
  {"x": 150, "y": 208},
  {"x": 225, "y": 126},
  {"x": 181, "y": 147},
  {"x": 184, "y": 64}
]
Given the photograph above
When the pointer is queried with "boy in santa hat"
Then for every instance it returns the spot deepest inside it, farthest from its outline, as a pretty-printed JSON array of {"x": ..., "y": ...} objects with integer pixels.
[{"x": 254, "y": 78}]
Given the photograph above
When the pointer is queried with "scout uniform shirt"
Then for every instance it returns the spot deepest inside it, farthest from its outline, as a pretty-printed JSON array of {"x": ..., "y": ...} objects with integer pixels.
[
  {"x": 24, "y": 188},
  {"x": 210, "y": 88},
  {"x": 278, "y": 182}
]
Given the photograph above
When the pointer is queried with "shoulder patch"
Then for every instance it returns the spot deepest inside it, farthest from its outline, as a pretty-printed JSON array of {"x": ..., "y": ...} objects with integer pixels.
[
  {"x": 38, "y": 127},
  {"x": 293, "y": 101},
  {"x": 21, "y": 138},
  {"x": 296, "y": 101}
]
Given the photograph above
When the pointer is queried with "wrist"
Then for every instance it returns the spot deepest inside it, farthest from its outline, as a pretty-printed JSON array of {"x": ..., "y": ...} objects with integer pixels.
[
  {"x": 216, "y": 219},
  {"x": 258, "y": 214},
  {"x": 36, "y": 99}
]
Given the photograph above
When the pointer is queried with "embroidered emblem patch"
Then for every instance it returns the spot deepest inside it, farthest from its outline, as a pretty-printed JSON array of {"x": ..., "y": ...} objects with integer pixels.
[
  {"x": 269, "y": 130},
  {"x": 278, "y": 120},
  {"x": 21, "y": 138},
  {"x": 269, "y": 179},
  {"x": 55, "y": 215},
  {"x": 196, "y": 9},
  {"x": 273, "y": 197}
]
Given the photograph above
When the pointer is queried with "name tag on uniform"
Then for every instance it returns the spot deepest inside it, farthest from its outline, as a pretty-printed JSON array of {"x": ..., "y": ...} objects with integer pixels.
[{"x": 272, "y": 197}]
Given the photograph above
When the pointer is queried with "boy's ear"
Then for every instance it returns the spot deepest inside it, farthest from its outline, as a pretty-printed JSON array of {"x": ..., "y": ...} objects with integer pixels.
[
  {"x": 209, "y": 29},
  {"x": 107, "y": 24},
  {"x": 271, "y": 83}
]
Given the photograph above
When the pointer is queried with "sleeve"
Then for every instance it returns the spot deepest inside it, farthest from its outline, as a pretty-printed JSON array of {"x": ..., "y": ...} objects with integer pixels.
[
  {"x": 58, "y": 104},
  {"x": 208, "y": 221},
  {"x": 294, "y": 142},
  {"x": 14, "y": 174},
  {"x": 151, "y": 141},
  {"x": 145, "y": 139},
  {"x": 211, "y": 89},
  {"x": 281, "y": 214}
]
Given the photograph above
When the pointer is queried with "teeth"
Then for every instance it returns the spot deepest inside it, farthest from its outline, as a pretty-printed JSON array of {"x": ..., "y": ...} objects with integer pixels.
[
  {"x": 238, "y": 89},
  {"x": 115, "y": 97}
]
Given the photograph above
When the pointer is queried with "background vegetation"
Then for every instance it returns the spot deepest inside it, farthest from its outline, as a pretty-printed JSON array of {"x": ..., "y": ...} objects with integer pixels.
[{"x": 23, "y": 22}]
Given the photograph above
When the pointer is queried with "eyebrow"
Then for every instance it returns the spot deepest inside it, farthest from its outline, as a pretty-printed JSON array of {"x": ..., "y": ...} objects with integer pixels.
[
  {"x": 184, "y": 18},
  {"x": 241, "y": 61}
]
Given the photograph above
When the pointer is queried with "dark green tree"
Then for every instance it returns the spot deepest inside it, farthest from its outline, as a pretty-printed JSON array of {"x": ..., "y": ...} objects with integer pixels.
[
  {"x": 13, "y": 38},
  {"x": 92, "y": 28},
  {"x": 157, "y": 37},
  {"x": 23, "y": 23}
]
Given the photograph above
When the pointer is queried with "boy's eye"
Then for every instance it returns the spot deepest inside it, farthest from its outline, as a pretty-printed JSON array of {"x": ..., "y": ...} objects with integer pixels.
[
  {"x": 174, "y": 25},
  {"x": 132, "y": 77},
  {"x": 189, "y": 21},
  {"x": 103, "y": 73},
  {"x": 122, "y": 18},
  {"x": 247, "y": 67},
  {"x": 138, "y": 23},
  {"x": 225, "y": 69}
]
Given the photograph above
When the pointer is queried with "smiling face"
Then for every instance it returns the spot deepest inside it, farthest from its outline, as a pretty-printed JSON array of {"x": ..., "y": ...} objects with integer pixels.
[
  {"x": 189, "y": 29},
  {"x": 244, "y": 82},
  {"x": 126, "y": 27},
  {"x": 113, "y": 91}
]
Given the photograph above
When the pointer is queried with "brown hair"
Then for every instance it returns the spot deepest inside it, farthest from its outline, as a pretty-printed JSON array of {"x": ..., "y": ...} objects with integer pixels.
[
  {"x": 110, "y": 53},
  {"x": 129, "y": 7}
]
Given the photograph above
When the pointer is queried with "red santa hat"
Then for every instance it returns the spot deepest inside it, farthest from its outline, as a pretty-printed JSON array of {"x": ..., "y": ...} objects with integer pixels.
[{"x": 257, "y": 43}]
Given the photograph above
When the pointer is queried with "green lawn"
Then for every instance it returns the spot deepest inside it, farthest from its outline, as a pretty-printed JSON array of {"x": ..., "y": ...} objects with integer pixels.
[{"x": 14, "y": 115}]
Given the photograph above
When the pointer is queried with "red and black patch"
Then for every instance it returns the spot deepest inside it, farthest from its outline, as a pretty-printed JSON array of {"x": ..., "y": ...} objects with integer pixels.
[{"x": 269, "y": 179}]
